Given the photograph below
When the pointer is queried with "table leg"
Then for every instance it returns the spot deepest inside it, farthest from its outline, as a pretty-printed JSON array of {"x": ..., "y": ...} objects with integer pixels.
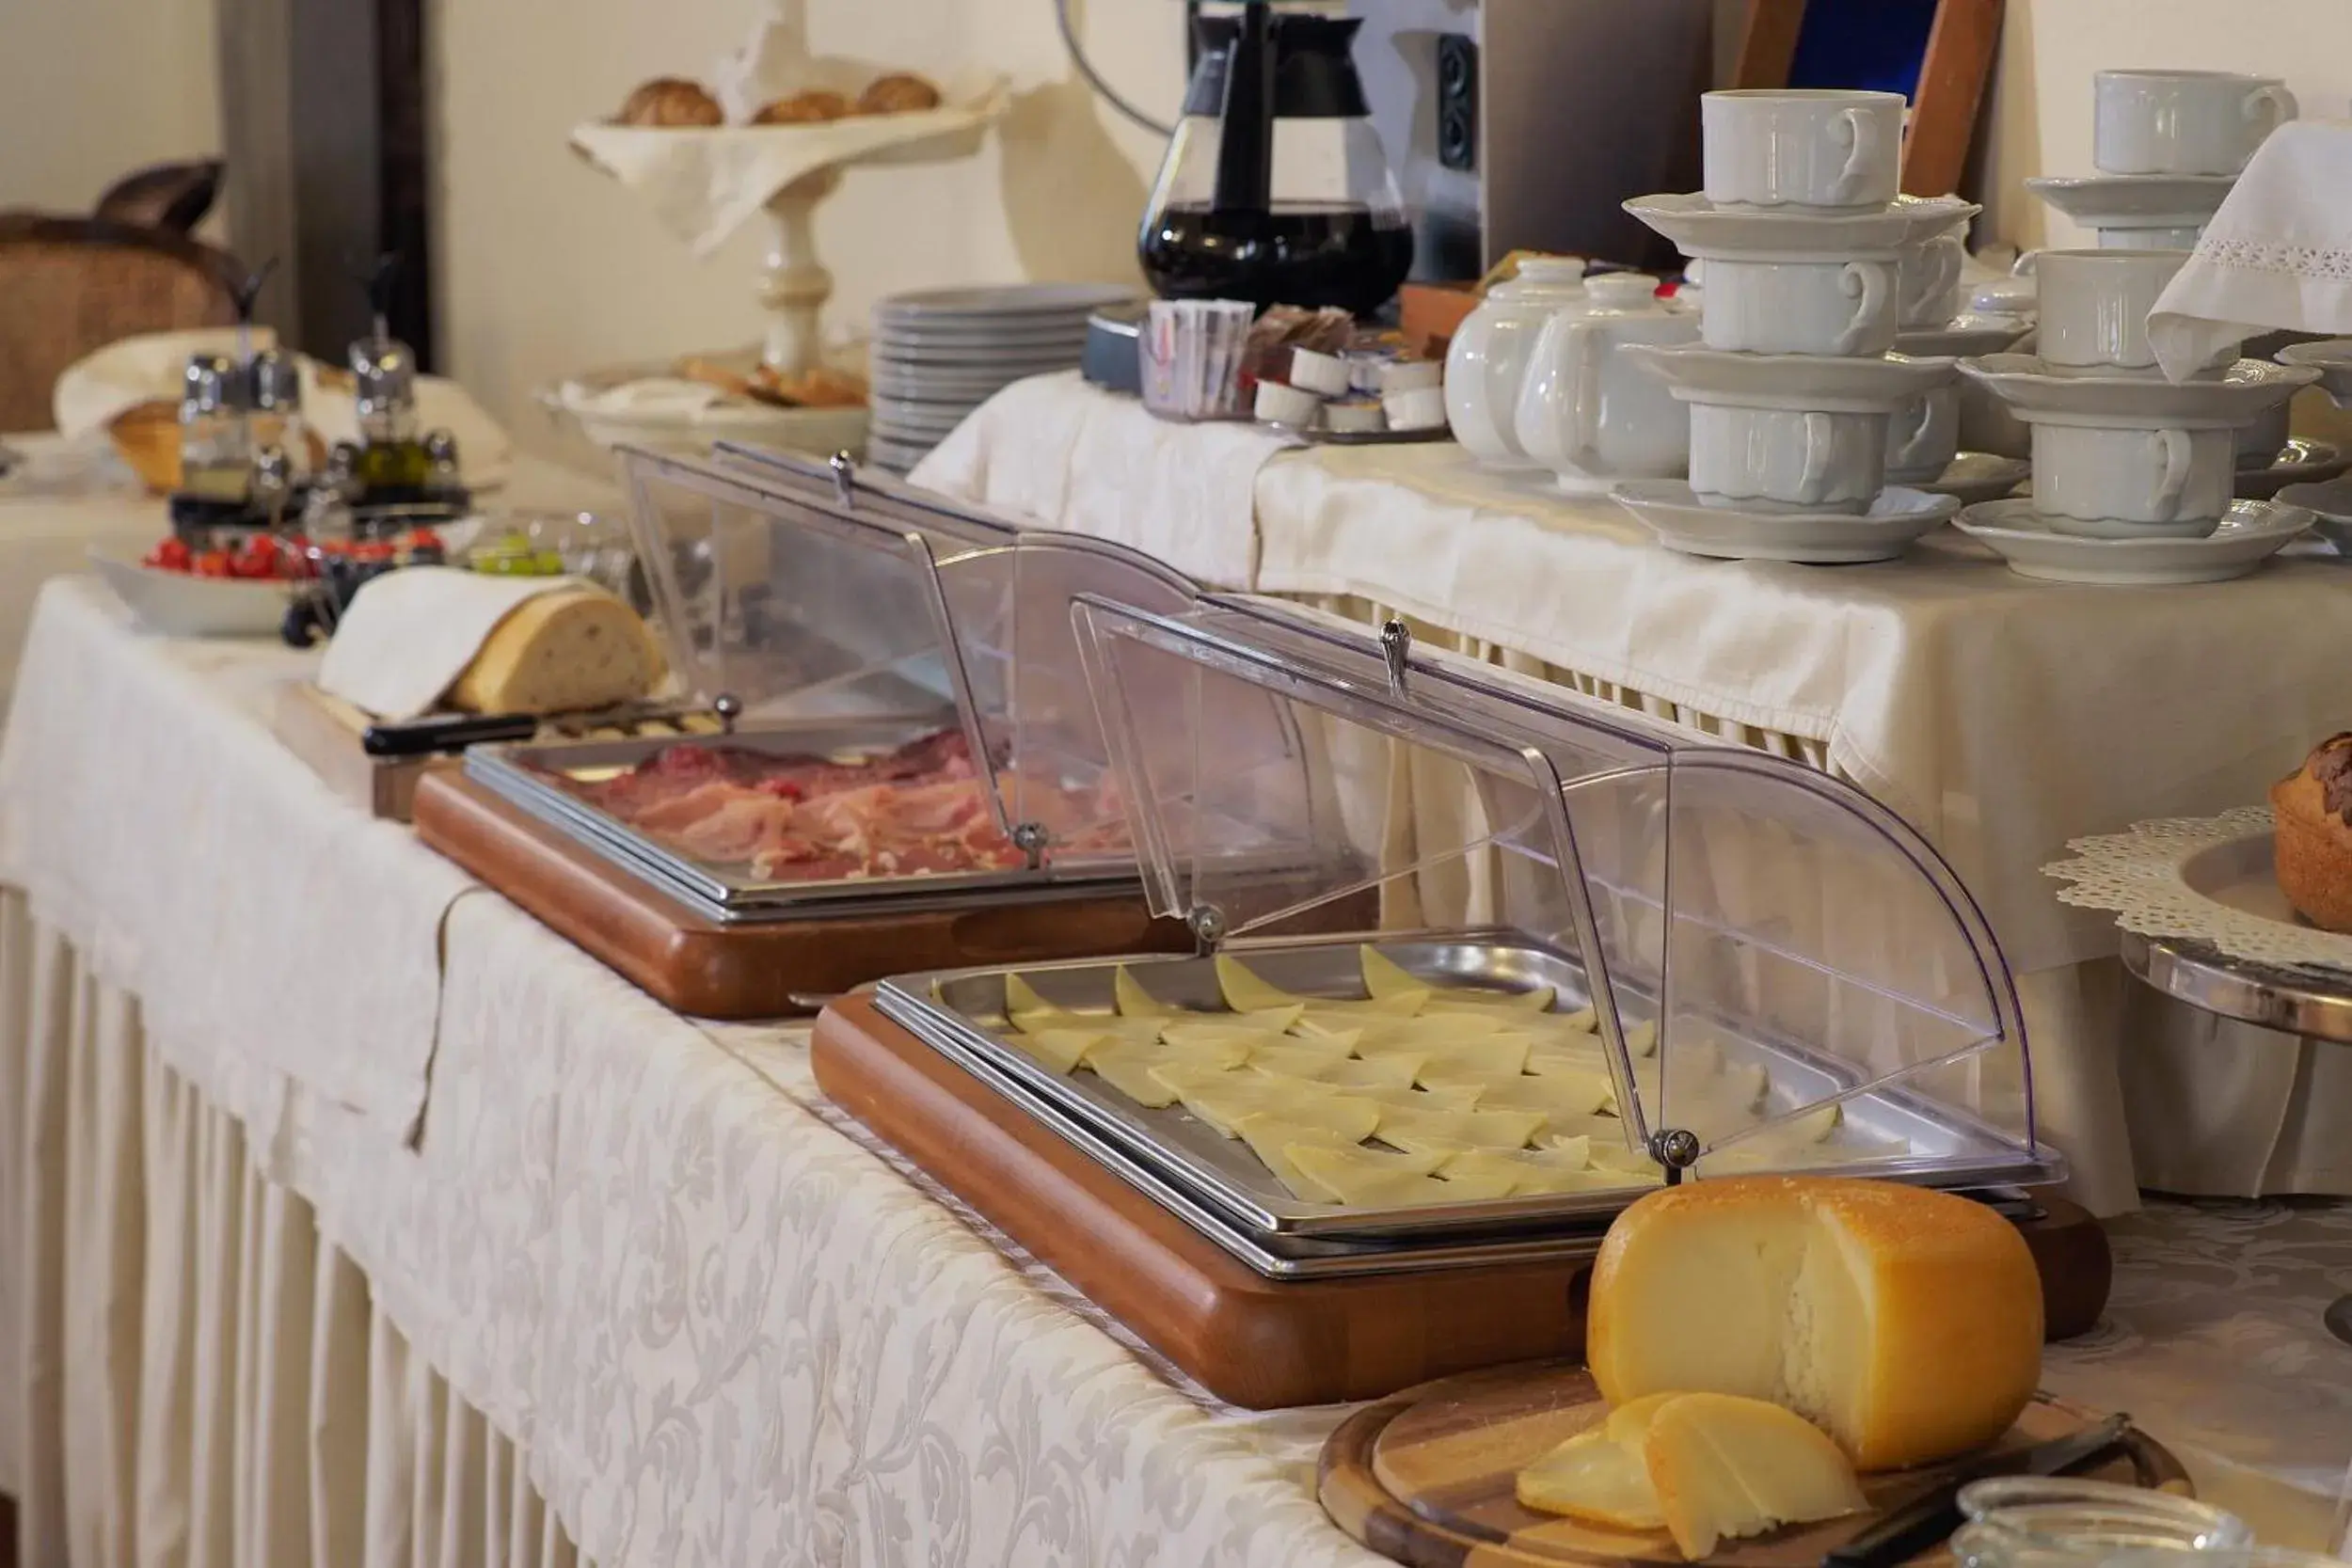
[{"x": 2340, "y": 1319}]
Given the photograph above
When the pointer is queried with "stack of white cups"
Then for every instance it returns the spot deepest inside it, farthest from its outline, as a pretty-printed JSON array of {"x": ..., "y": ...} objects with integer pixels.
[
  {"x": 2119, "y": 454},
  {"x": 1813, "y": 264},
  {"x": 2169, "y": 144}
]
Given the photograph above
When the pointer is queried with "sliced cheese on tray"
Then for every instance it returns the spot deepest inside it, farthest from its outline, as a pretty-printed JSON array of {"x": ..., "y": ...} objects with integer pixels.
[
  {"x": 1244, "y": 991},
  {"x": 1270, "y": 1137},
  {"x": 1559, "y": 1095},
  {"x": 1225, "y": 1101},
  {"x": 1133, "y": 1068},
  {"x": 1060, "y": 1049},
  {"x": 1381, "y": 1073},
  {"x": 1485, "y": 1054},
  {"x": 1446, "y": 1133},
  {"x": 1385, "y": 977},
  {"x": 1132, "y": 1001},
  {"x": 1369, "y": 1178},
  {"x": 1219, "y": 1031},
  {"x": 1297, "y": 1059}
]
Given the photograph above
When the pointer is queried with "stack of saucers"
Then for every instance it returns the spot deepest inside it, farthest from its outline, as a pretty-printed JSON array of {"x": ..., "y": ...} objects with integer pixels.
[
  {"x": 2132, "y": 475},
  {"x": 1798, "y": 410},
  {"x": 939, "y": 354},
  {"x": 2168, "y": 145}
]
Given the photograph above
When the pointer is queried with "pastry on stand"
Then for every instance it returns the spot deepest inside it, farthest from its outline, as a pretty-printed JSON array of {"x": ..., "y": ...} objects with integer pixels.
[{"x": 769, "y": 137}]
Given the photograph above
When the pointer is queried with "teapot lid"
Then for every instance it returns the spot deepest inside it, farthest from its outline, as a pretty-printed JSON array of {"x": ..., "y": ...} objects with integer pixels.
[{"x": 1621, "y": 290}]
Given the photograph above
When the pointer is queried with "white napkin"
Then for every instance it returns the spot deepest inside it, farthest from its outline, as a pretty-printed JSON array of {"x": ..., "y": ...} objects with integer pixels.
[
  {"x": 704, "y": 183},
  {"x": 2277, "y": 256},
  {"x": 408, "y": 635},
  {"x": 666, "y": 396}
]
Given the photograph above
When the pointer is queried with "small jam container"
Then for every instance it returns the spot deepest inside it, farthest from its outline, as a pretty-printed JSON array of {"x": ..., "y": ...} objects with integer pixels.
[
  {"x": 1421, "y": 408},
  {"x": 1411, "y": 375},
  {"x": 1287, "y": 406},
  {"x": 1355, "y": 417},
  {"x": 2032, "y": 1522},
  {"x": 1322, "y": 373}
]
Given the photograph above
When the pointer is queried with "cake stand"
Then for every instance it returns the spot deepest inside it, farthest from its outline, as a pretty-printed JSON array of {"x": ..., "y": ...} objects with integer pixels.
[
  {"x": 2203, "y": 922},
  {"x": 704, "y": 183}
]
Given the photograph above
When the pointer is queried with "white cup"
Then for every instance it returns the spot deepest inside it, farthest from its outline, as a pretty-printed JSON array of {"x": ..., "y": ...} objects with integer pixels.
[
  {"x": 1931, "y": 281},
  {"x": 2101, "y": 483},
  {"x": 2182, "y": 121},
  {"x": 1822, "y": 148},
  {"x": 2094, "y": 311},
  {"x": 1923, "y": 436},
  {"x": 1830, "y": 306},
  {"x": 1786, "y": 460},
  {"x": 2260, "y": 443}
]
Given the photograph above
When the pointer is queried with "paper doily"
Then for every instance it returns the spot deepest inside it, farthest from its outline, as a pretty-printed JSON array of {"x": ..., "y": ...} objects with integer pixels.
[{"x": 2143, "y": 876}]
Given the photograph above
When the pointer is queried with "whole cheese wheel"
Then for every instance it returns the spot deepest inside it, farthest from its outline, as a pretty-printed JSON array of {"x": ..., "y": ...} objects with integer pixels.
[
  {"x": 561, "y": 652},
  {"x": 1905, "y": 1323}
]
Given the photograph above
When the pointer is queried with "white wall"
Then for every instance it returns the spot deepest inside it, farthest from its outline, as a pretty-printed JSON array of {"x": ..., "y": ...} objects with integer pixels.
[
  {"x": 547, "y": 266},
  {"x": 2049, "y": 49},
  {"x": 92, "y": 89}
]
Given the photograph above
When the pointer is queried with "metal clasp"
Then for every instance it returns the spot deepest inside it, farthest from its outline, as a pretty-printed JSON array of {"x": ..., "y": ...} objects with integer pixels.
[
  {"x": 1396, "y": 648},
  {"x": 729, "y": 707},
  {"x": 844, "y": 477},
  {"x": 1030, "y": 838},
  {"x": 1207, "y": 924},
  {"x": 1676, "y": 1148}
]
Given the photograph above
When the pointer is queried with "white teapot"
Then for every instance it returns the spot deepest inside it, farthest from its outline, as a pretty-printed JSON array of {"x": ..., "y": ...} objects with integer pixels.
[
  {"x": 1592, "y": 417},
  {"x": 1488, "y": 358}
]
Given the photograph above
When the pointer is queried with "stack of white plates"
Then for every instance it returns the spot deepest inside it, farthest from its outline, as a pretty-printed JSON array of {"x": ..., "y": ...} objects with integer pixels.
[{"x": 940, "y": 354}]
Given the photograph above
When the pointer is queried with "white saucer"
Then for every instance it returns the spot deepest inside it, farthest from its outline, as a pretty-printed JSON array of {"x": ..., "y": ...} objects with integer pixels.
[
  {"x": 1973, "y": 477},
  {"x": 1962, "y": 338},
  {"x": 2299, "y": 462},
  {"x": 994, "y": 303},
  {"x": 1813, "y": 383},
  {"x": 1698, "y": 228},
  {"x": 2332, "y": 358},
  {"x": 2244, "y": 391},
  {"x": 2249, "y": 533},
  {"x": 2135, "y": 200},
  {"x": 1669, "y": 509},
  {"x": 2330, "y": 503}
]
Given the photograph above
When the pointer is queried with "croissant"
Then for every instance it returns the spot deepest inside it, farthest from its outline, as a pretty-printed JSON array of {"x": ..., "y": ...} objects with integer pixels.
[
  {"x": 896, "y": 94},
  {"x": 803, "y": 108}
]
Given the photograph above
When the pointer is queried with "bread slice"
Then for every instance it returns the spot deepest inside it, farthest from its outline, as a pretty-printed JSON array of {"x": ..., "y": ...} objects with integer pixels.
[
  {"x": 2312, "y": 843},
  {"x": 561, "y": 652},
  {"x": 1904, "y": 1322}
]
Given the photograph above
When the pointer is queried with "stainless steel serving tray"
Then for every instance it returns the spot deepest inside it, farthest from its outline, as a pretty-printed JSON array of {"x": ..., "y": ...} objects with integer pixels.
[
  {"x": 960, "y": 1012},
  {"x": 529, "y": 776}
]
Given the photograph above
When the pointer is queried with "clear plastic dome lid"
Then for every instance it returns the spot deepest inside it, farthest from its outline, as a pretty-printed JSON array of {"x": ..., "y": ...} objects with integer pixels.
[{"x": 1784, "y": 975}]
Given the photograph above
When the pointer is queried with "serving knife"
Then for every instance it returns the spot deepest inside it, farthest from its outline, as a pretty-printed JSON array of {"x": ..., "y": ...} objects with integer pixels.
[
  {"x": 1930, "y": 1519},
  {"x": 456, "y": 732}
]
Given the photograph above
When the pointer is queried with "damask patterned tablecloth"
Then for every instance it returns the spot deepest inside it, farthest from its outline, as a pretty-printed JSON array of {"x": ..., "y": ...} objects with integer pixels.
[{"x": 720, "y": 1325}]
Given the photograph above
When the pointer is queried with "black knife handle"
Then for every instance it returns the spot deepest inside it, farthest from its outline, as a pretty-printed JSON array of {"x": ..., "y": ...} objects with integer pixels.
[
  {"x": 1931, "y": 1519},
  {"x": 445, "y": 734}
]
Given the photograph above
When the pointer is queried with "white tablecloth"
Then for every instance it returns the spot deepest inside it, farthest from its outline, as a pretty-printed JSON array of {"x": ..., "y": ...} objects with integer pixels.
[{"x": 2000, "y": 717}]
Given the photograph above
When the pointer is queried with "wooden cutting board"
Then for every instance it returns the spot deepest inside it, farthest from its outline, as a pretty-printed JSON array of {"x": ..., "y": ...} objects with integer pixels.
[
  {"x": 1427, "y": 1478},
  {"x": 755, "y": 968}
]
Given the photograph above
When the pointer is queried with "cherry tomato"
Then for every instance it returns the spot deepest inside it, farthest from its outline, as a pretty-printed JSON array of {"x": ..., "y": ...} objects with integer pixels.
[
  {"x": 214, "y": 564},
  {"x": 423, "y": 539},
  {"x": 172, "y": 555}
]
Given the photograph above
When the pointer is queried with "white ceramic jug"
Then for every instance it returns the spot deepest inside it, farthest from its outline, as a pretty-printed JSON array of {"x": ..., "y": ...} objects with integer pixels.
[
  {"x": 1488, "y": 358},
  {"x": 1592, "y": 417}
]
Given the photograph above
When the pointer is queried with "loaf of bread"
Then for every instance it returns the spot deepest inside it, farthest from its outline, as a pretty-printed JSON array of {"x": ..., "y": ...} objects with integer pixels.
[
  {"x": 2311, "y": 846},
  {"x": 813, "y": 107},
  {"x": 901, "y": 92},
  {"x": 561, "y": 652},
  {"x": 1905, "y": 1323},
  {"x": 671, "y": 100}
]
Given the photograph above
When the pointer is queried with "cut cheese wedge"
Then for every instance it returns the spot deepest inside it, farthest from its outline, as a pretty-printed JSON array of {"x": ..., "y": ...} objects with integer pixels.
[
  {"x": 1373, "y": 1178},
  {"x": 1219, "y": 1032},
  {"x": 1449, "y": 1132},
  {"x": 1592, "y": 1478},
  {"x": 1724, "y": 1467},
  {"x": 1907, "y": 1323},
  {"x": 1132, "y": 1001},
  {"x": 1558, "y": 1095},
  {"x": 1060, "y": 1049},
  {"x": 1131, "y": 1068},
  {"x": 1022, "y": 997}
]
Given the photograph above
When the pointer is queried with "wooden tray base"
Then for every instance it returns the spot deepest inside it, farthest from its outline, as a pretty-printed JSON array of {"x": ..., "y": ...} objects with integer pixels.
[
  {"x": 1249, "y": 1340},
  {"x": 765, "y": 969},
  {"x": 1427, "y": 1478},
  {"x": 1252, "y": 1340},
  {"x": 325, "y": 731}
]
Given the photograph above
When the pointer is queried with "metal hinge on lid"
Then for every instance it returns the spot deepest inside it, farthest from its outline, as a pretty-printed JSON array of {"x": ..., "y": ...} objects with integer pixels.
[
  {"x": 844, "y": 477},
  {"x": 1676, "y": 1149},
  {"x": 1030, "y": 838},
  {"x": 1207, "y": 924},
  {"x": 729, "y": 707},
  {"x": 1396, "y": 648}
]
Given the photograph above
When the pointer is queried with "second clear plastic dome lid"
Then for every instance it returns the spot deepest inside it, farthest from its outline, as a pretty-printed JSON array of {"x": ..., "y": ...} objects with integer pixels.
[{"x": 1781, "y": 969}]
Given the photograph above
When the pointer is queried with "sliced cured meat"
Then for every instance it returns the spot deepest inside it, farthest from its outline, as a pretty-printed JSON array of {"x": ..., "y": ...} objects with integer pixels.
[{"x": 739, "y": 829}]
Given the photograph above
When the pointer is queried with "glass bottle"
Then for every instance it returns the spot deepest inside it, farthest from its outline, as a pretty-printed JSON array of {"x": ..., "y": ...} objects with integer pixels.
[
  {"x": 276, "y": 419},
  {"x": 215, "y": 449},
  {"x": 392, "y": 456},
  {"x": 2032, "y": 1522}
]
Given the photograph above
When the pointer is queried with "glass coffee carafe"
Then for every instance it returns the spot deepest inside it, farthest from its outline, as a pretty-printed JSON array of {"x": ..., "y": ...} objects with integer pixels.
[{"x": 1275, "y": 188}]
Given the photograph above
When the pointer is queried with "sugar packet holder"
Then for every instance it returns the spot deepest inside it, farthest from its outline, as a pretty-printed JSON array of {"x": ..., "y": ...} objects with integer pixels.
[{"x": 1193, "y": 353}]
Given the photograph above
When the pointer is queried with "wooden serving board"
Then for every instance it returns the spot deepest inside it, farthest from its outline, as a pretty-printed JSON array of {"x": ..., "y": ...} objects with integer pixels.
[
  {"x": 325, "y": 731},
  {"x": 755, "y": 968},
  {"x": 1428, "y": 1477},
  {"x": 1248, "y": 1339}
]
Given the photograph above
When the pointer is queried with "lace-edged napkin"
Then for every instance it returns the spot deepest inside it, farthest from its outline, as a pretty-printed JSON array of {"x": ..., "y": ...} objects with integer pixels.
[{"x": 2277, "y": 256}]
